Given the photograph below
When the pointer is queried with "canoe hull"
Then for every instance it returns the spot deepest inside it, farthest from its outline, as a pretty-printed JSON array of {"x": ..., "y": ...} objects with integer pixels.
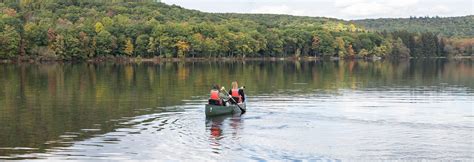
[{"x": 214, "y": 110}]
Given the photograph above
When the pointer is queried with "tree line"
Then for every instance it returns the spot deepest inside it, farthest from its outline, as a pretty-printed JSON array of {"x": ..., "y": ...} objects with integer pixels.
[
  {"x": 430, "y": 44},
  {"x": 80, "y": 29},
  {"x": 446, "y": 26}
]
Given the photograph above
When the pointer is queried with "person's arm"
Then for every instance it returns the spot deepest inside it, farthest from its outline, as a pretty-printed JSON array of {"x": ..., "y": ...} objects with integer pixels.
[
  {"x": 241, "y": 92},
  {"x": 223, "y": 96}
]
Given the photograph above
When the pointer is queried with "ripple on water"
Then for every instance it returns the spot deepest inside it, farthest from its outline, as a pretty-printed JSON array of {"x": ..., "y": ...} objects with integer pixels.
[{"x": 313, "y": 126}]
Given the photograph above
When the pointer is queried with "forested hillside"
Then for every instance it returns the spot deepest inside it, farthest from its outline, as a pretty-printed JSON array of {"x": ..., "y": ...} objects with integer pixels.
[
  {"x": 449, "y": 26},
  {"x": 454, "y": 35},
  {"x": 80, "y": 29}
]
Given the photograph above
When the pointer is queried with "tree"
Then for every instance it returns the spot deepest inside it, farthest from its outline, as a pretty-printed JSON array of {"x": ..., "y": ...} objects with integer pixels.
[
  {"x": 381, "y": 51},
  {"x": 9, "y": 42},
  {"x": 340, "y": 27},
  {"x": 103, "y": 28},
  {"x": 446, "y": 27},
  {"x": 141, "y": 45},
  {"x": 400, "y": 50},
  {"x": 341, "y": 47},
  {"x": 59, "y": 47},
  {"x": 441, "y": 45},
  {"x": 363, "y": 53},
  {"x": 35, "y": 35},
  {"x": 129, "y": 47},
  {"x": 274, "y": 43},
  {"x": 243, "y": 44},
  {"x": 327, "y": 43},
  {"x": 165, "y": 46},
  {"x": 151, "y": 47},
  {"x": 72, "y": 44},
  {"x": 226, "y": 43},
  {"x": 197, "y": 44},
  {"x": 350, "y": 51},
  {"x": 85, "y": 46},
  {"x": 211, "y": 46},
  {"x": 107, "y": 23},
  {"x": 10, "y": 12},
  {"x": 429, "y": 43},
  {"x": 103, "y": 43},
  {"x": 315, "y": 43},
  {"x": 352, "y": 28},
  {"x": 99, "y": 27},
  {"x": 183, "y": 47}
]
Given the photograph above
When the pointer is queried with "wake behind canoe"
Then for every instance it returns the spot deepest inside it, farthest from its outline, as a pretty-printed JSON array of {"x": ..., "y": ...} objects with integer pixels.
[{"x": 215, "y": 110}]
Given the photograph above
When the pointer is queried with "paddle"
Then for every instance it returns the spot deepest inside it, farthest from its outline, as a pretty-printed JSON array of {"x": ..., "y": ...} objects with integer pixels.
[{"x": 241, "y": 109}]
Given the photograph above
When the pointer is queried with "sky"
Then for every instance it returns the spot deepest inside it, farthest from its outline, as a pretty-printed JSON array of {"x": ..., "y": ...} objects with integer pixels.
[{"x": 342, "y": 9}]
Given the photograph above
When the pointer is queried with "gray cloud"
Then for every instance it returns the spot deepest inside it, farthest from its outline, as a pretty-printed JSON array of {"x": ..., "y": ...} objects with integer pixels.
[{"x": 343, "y": 9}]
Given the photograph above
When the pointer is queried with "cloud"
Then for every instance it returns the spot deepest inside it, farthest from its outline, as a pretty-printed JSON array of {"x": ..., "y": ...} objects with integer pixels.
[
  {"x": 278, "y": 9},
  {"x": 366, "y": 9},
  {"x": 401, "y": 3},
  {"x": 345, "y": 3},
  {"x": 370, "y": 8},
  {"x": 344, "y": 9},
  {"x": 441, "y": 9}
]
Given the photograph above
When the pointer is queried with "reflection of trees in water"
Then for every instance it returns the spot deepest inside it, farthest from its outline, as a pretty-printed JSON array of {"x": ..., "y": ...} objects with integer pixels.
[{"x": 40, "y": 102}]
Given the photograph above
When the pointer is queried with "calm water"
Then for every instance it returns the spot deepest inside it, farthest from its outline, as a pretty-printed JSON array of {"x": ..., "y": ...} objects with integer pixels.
[{"x": 296, "y": 110}]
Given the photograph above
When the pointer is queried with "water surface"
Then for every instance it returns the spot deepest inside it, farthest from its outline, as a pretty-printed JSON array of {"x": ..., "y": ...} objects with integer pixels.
[{"x": 419, "y": 109}]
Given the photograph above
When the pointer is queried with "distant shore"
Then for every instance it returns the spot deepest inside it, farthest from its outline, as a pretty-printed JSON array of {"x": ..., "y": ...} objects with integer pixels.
[{"x": 160, "y": 59}]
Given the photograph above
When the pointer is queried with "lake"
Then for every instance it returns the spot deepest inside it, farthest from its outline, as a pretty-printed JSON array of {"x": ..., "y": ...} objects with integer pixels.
[{"x": 314, "y": 110}]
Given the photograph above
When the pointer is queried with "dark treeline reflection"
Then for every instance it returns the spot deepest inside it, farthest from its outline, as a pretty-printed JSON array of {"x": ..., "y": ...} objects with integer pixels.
[{"x": 40, "y": 104}]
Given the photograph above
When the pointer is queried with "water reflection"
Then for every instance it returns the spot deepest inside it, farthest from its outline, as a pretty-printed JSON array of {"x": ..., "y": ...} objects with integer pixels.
[
  {"x": 215, "y": 126},
  {"x": 220, "y": 127},
  {"x": 49, "y": 106}
]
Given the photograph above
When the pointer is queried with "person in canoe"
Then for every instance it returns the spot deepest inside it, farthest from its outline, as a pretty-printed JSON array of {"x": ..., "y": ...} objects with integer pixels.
[
  {"x": 237, "y": 93},
  {"x": 217, "y": 97}
]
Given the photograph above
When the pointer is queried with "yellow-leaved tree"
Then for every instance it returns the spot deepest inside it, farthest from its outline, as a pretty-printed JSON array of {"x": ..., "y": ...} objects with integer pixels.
[
  {"x": 25, "y": 3},
  {"x": 341, "y": 47},
  {"x": 99, "y": 27},
  {"x": 129, "y": 47},
  {"x": 352, "y": 28},
  {"x": 340, "y": 27},
  {"x": 183, "y": 48}
]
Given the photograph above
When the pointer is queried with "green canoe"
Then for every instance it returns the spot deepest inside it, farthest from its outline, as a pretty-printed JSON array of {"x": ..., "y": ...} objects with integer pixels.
[{"x": 214, "y": 110}]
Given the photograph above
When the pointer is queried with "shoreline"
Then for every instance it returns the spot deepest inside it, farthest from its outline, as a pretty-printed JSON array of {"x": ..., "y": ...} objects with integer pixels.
[
  {"x": 202, "y": 59},
  {"x": 156, "y": 59}
]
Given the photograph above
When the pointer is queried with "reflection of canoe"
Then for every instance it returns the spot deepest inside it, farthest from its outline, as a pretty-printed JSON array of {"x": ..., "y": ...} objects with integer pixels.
[
  {"x": 214, "y": 110},
  {"x": 216, "y": 126}
]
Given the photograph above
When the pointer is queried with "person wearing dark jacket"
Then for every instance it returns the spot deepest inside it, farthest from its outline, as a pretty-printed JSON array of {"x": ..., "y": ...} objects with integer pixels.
[
  {"x": 215, "y": 97},
  {"x": 237, "y": 93}
]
